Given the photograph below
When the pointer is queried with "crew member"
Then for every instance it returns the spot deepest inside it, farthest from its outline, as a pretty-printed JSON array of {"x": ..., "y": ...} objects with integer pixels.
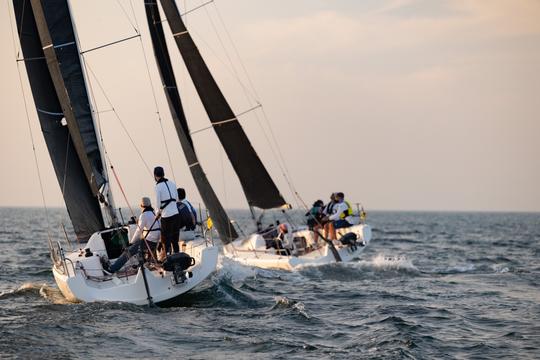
[
  {"x": 188, "y": 215},
  {"x": 342, "y": 210},
  {"x": 166, "y": 198},
  {"x": 314, "y": 219},
  {"x": 148, "y": 228}
]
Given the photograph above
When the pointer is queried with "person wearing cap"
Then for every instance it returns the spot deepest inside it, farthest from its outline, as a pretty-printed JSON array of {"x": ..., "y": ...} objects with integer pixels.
[
  {"x": 166, "y": 198},
  {"x": 148, "y": 228}
]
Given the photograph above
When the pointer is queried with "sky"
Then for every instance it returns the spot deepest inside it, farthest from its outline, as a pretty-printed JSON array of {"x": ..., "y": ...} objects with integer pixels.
[{"x": 400, "y": 104}]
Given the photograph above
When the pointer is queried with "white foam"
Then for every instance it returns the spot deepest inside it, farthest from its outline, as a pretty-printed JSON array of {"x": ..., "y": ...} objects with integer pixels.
[
  {"x": 50, "y": 293},
  {"x": 389, "y": 262}
]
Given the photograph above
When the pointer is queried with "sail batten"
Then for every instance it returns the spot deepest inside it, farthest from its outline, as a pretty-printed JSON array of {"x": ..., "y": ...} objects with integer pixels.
[
  {"x": 64, "y": 145},
  {"x": 219, "y": 216},
  {"x": 258, "y": 186}
]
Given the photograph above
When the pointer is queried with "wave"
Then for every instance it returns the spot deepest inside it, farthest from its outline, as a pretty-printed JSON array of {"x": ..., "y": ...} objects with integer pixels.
[
  {"x": 50, "y": 293},
  {"x": 397, "y": 232},
  {"x": 471, "y": 268},
  {"x": 384, "y": 262},
  {"x": 297, "y": 307}
]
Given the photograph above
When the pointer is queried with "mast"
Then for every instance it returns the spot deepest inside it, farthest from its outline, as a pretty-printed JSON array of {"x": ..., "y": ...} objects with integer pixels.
[
  {"x": 258, "y": 186},
  {"x": 226, "y": 230},
  {"x": 51, "y": 57}
]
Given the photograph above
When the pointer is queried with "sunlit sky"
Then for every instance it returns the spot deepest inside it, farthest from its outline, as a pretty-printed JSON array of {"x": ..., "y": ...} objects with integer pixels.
[{"x": 401, "y": 104}]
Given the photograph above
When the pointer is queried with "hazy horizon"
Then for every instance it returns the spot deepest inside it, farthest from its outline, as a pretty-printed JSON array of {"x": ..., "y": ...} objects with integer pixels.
[{"x": 404, "y": 105}]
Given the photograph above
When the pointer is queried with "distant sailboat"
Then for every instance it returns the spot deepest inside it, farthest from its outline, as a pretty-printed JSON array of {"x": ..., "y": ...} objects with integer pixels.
[
  {"x": 52, "y": 58},
  {"x": 259, "y": 188}
]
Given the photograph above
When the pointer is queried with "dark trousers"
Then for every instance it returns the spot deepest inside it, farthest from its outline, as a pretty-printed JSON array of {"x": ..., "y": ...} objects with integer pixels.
[
  {"x": 170, "y": 232},
  {"x": 133, "y": 249}
]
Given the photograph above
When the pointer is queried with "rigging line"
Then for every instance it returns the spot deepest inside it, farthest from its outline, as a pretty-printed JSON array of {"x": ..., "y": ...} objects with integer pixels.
[
  {"x": 97, "y": 115},
  {"x": 201, "y": 39},
  {"x": 32, "y": 139},
  {"x": 285, "y": 170},
  {"x": 251, "y": 84},
  {"x": 111, "y": 43},
  {"x": 225, "y": 121},
  {"x": 221, "y": 153},
  {"x": 127, "y": 16},
  {"x": 13, "y": 40},
  {"x": 155, "y": 99},
  {"x": 66, "y": 163},
  {"x": 188, "y": 11},
  {"x": 131, "y": 209},
  {"x": 248, "y": 77},
  {"x": 118, "y": 118},
  {"x": 195, "y": 8},
  {"x": 233, "y": 68},
  {"x": 20, "y": 28},
  {"x": 246, "y": 73},
  {"x": 273, "y": 146}
]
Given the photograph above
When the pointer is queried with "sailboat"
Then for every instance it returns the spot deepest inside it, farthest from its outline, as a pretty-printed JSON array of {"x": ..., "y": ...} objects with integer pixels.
[
  {"x": 259, "y": 188},
  {"x": 57, "y": 77}
]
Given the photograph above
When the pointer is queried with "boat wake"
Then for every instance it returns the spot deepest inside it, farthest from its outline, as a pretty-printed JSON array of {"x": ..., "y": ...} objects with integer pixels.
[
  {"x": 391, "y": 262},
  {"x": 50, "y": 293}
]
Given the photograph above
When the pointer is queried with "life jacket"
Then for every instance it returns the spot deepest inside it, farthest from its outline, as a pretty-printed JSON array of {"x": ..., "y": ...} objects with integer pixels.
[
  {"x": 348, "y": 212},
  {"x": 328, "y": 209}
]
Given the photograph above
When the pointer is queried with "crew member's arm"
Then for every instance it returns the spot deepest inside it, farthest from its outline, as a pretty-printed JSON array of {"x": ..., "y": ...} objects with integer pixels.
[
  {"x": 339, "y": 209},
  {"x": 158, "y": 201},
  {"x": 140, "y": 226}
]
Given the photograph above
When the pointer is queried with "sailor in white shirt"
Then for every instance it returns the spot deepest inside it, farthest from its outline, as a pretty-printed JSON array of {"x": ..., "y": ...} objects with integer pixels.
[
  {"x": 148, "y": 228},
  {"x": 166, "y": 198},
  {"x": 341, "y": 212}
]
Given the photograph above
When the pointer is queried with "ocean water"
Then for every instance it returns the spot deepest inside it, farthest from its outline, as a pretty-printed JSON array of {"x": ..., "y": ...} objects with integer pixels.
[{"x": 429, "y": 286}]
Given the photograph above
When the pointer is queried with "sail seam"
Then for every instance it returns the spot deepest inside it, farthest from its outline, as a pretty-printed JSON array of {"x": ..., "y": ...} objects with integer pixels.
[
  {"x": 65, "y": 44},
  {"x": 217, "y": 123},
  {"x": 180, "y": 33},
  {"x": 49, "y": 112}
]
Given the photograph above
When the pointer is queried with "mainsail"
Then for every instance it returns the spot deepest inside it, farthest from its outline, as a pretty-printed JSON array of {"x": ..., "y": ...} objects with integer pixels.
[
  {"x": 51, "y": 57},
  {"x": 219, "y": 216},
  {"x": 257, "y": 184}
]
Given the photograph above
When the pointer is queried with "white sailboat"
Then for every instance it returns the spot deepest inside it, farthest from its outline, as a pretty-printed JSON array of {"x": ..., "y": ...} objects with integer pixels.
[
  {"x": 57, "y": 77},
  {"x": 260, "y": 190},
  {"x": 303, "y": 249}
]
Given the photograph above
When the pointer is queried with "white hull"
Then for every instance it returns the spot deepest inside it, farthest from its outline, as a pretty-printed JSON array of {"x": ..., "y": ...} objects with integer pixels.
[
  {"x": 250, "y": 252},
  {"x": 81, "y": 278}
]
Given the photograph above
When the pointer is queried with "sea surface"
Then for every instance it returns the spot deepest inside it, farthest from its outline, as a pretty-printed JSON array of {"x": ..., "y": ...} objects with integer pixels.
[{"x": 429, "y": 286}]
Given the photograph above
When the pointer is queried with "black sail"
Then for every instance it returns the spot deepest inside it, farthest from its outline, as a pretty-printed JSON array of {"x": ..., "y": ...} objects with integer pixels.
[
  {"x": 257, "y": 184},
  {"x": 55, "y": 28},
  {"x": 80, "y": 199},
  {"x": 220, "y": 219}
]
